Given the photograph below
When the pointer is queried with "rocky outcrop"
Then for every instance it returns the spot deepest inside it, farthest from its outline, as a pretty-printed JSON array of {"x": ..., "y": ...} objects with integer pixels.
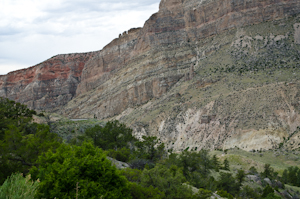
[{"x": 48, "y": 85}]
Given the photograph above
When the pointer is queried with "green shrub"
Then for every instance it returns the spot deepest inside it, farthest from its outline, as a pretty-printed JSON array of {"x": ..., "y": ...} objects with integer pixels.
[
  {"x": 114, "y": 135},
  {"x": 122, "y": 155},
  {"x": 224, "y": 194},
  {"x": 170, "y": 181},
  {"x": 19, "y": 149},
  {"x": 132, "y": 175},
  {"x": 16, "y": 186},
  {"x": 203, "y": 194},
  {"x": 140, "y": 192},
  {"x": 79, "y": 171},
  {"x": 267, "y": 190}
]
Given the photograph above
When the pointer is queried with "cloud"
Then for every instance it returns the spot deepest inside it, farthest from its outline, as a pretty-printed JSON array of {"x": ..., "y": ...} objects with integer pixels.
[{"x": 32, "y": 31}]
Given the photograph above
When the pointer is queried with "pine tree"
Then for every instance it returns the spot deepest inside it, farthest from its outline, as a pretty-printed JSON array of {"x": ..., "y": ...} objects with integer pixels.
[
  {"x": 226, "y": 165},
  {"x": 216, "y": 163}
]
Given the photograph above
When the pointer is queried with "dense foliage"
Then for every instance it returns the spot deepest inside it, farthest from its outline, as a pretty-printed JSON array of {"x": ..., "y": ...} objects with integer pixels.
[
  {"x": 12, "y": 113},
  {"x": 83, "y": 171},
  {"x": 113, "y": 135},
  {"x": 291, "y": 176},
  {"x": 80, "y": 169},
  {"x": 21, "y": 141}
]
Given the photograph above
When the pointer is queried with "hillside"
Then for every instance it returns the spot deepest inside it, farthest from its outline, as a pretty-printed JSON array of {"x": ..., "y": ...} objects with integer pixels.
[{"x": 210, "y": 73}]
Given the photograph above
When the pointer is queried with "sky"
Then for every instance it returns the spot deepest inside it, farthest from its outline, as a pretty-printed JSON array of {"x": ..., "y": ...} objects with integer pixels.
[{"x": 32, "y": 31}]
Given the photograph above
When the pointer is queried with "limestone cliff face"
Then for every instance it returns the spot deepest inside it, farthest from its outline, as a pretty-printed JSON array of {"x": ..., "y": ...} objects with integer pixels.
[{"x": 48, "y": 85}]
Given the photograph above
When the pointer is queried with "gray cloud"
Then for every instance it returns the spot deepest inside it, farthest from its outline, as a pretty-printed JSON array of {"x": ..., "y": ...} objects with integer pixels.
[{"x": 45, "y": 28}]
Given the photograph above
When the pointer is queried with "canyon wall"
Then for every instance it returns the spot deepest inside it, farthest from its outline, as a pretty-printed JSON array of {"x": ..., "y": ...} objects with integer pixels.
[
  {"x": 145, "y": 63},
  {"x": 48, "y": 85},
  {"x": 199, "y": 74}
]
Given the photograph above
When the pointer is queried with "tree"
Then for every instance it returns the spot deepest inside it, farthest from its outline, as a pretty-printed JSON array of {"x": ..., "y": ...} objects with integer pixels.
[
  {"x": 267, "y": 190},
  {"x": 240, "y": 176},
  {"x": 169, "y": 181},
  {"x": 268, "y": 171},
  {"x": 292, "y": 175},
  {"x": 139, "y": 192},
  {"x": 227, "y": 182},
  {"x": 80, "y": 171},
  {"x": 226, "y": 164},
  {"x": 150, "y": 149},
  {"x": 195, "y": 162},
  {"x": 216, "y": 163},
  {"x": 114, "y": 135},
  {"x": 248, "y": 192},
  {"x": 298, "y": 178},
  {"x": 285, "y": 176},
  {"x": 203, "y": 194},
  {"x": 20, "y": 149},
  {"x": 12, "y": 113}
]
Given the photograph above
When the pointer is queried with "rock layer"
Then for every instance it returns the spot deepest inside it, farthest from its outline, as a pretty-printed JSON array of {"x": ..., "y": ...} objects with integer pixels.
[
  {"x": 145, "y": 63},
  {"x": 48, "y": 85}
]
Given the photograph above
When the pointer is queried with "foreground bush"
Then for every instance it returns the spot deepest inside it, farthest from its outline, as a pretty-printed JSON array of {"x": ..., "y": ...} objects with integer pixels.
[
  {"x": 79, "y": 171},
  {"x": 16, "y": 186}
]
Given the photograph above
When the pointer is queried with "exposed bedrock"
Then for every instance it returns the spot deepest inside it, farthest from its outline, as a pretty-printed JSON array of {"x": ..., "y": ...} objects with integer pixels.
[{"x": 48, "y": 85}]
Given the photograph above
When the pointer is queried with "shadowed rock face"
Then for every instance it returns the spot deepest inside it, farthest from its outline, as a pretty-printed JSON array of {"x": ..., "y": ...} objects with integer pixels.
[{"x": 48, "y": 85}]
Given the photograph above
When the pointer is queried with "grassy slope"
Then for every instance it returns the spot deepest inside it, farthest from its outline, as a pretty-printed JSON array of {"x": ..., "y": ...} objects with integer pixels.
[{"x": 278, "y": 159}]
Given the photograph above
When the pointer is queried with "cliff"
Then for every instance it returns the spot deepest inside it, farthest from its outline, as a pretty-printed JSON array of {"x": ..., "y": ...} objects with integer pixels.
[
  {"x": 48, "y": 85},
  {"x": 209, "y": 73},
  {"x": 147, "y": 62}
]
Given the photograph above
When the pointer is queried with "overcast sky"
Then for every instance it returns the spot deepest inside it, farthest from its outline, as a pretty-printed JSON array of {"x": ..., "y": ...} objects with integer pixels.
[{"x": 32, "y": 31}]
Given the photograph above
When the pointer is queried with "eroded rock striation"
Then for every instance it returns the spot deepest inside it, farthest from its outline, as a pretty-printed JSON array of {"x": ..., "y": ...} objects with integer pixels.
[
  {"x": 199, "y": 74},
  {"x": 145, "y": 63},
  {"x": 48, "y": 85}
]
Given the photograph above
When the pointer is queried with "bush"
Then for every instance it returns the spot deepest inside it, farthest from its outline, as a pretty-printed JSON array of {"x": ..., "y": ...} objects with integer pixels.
[
  {"x": 113, "y": 135},
  {"x": 16, "y": 186},
  {"x": 19, "y": 149},
  {"x": 122, "y": 155},
  {"x": 267, "y": 190},
  {"x": 140, "y": 192},
  {"x": 224, "y": 194},
  {"x": 203, "y": 194},
  {"x": 79, "y": 171},
  {"x": 170, "y": 181},
  {"x": 132, "y": 175}
]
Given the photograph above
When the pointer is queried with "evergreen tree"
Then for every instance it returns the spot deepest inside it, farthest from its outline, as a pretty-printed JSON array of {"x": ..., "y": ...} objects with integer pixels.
[
  {"x": 216, "y": 163},
  {"x": 226, "y": 164},
  {"x": 285, "y": 176},
  {"x": 268, "y": 171},
  {"x": 12, "y": 113},
  {"x": 150, "y": 149},
  {"x": 240, "y": 176},
  {"x": 227, "y": 182},
  {"x": 267, "y": 190}
]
